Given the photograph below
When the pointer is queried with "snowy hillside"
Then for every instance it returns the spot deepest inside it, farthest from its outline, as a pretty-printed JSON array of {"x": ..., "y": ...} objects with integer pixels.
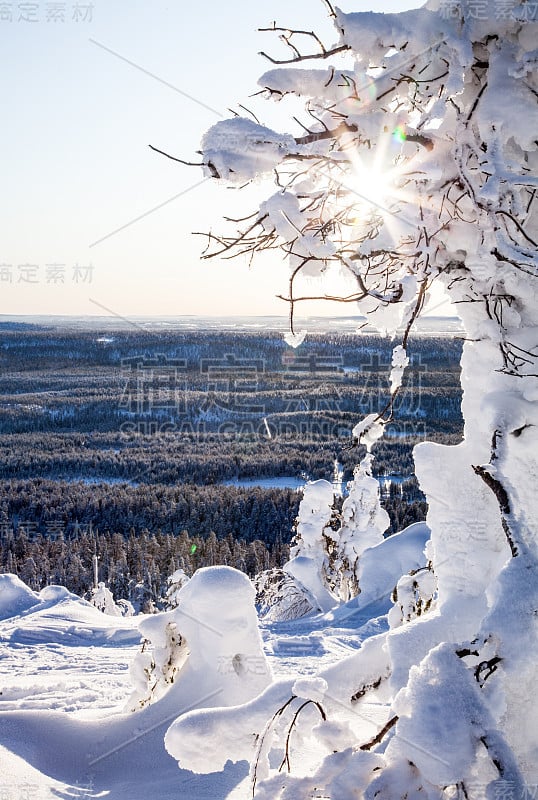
[{"x": 66, "y": 681}]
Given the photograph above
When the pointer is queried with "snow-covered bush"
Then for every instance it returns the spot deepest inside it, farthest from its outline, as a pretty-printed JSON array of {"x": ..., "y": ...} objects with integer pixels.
[
  {"x": 413, "y": 596},
  {"x": 175, "y": 583},
  {"x": 280, "y": 596},
  {"x": 207, "y": 648},
  {"x": 325, "y": 554},
  {"x": 420, "y": 165},
  {"x": 313, "y": 550},
  {"x": 126, "y": 607},
  {"x": 102, "y": 598},
  {"x": 155, "y": 668}
]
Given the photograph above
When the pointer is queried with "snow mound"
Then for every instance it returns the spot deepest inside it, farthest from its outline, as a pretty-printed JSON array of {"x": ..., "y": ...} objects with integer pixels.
[
  {"x": 15, "y": 596},
  {"x": 56, "y": 594},
  {"x": 441, "y": 745},
  {"x": 382, "y": 566},
  {"x": 56, "y": 615}
]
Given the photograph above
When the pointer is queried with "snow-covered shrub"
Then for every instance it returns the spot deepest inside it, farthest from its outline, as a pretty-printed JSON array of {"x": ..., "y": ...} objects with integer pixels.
[
  {"x": 325, "y": 554},
  {"x": 155, "y": 668},
  {"x": 280, "y": 596},
  {"x": 413, "y": 596},
  {"x": 175, "y": 583},
  {"x": 314, "y": 536},
  {"x": 102, "y": 598},
  {"x": 126, "y": 607},
  {"x": 208, "y": 647}
]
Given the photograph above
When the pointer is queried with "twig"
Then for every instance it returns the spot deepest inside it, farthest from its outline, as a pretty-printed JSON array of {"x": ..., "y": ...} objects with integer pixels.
[
  {"x": 277, "y": 713},
  {"x": 179, "y": 160},
  {"x": 286, "y": 759},
  {"x": 381, "y": 735},
  {"x": 330, "y": 8},
  {"x": 335, "y": 133},
  {"x": 490, "y": 666},
  {"x": 297, "y": 59}
]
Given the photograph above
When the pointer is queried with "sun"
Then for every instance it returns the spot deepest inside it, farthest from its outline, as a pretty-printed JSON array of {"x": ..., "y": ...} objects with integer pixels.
[
  {"x": 373, "y": 180},
  {"x": 373, "y": 175}
]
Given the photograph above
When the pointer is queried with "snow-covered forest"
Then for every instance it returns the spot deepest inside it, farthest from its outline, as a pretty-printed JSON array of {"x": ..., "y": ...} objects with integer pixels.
[{"x": 364, "y": 666}]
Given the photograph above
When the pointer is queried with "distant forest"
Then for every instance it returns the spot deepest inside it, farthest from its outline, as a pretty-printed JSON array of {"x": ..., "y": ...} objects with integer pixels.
[{"x": 126, "y": 437}]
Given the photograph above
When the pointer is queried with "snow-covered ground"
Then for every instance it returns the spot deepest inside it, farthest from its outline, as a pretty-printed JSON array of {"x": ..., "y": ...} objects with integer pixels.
[{"x": 65, "y": 683}]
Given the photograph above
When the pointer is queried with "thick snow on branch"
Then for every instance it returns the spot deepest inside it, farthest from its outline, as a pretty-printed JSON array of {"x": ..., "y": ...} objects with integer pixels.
[
  {"x": 399, "y": 363},
  {"x": 239, "y": 149}
]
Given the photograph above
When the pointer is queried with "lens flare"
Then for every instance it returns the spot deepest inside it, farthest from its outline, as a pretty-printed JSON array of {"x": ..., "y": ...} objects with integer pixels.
[{"x": 399, "y": 134}]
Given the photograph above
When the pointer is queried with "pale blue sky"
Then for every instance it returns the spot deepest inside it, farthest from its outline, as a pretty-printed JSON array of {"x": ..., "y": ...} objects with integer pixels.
[{"x": 76, "y": 124}]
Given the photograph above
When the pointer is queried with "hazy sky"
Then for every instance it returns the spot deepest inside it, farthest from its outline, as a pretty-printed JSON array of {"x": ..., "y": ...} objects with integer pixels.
[{"x": 76, "y": 123}]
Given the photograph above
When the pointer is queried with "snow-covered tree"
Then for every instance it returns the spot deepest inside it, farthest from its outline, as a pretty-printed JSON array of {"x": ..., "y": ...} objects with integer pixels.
[
  {"x": 364, "y": 522},
  {"x": 325, "y": 553},
  {"x": 102, "y": 598},
  {"x": 413, "y": 595},
  {"x": 175, "y": 583},
  {"x": 306, "y": 581},
  {"x": 419, "y": 164},
  {"x": 313, "y": 550}
]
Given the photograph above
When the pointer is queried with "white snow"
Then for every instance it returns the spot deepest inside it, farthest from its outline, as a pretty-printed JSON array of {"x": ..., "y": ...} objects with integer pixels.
[
  {"x": 444, "y": 699},
  {"x": 239, "y": 149},
  {"x": 15, "y": 596},
  {"x": 306, "y": 571},
  {"x": 64, "y": 668}
]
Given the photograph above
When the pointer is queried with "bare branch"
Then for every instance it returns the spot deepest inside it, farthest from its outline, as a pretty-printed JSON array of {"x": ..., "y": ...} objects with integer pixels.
[
  {"x": 179, "y": 160},
  {"x": 296, "y": 60},
  {"x": 226, "y": 246},
  {"x": 252, "y": 114},
  {"x": 261, "y": 739},
  {"x": 330, "y": 8},
  {"x": 486, "y": 668},
  {"x": 504, "y": 504},
  {"x": 381, "y": 735},
  {"x": 335, "y": 133},
  {"x": 518, "y": 226},
  {"x": 286, "y": 759}
]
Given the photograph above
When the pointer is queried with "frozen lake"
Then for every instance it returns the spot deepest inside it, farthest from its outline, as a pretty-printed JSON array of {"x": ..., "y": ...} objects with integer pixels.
[
  {"x": 281, "y": 482},
  {"x": 291, "y": 482}
]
